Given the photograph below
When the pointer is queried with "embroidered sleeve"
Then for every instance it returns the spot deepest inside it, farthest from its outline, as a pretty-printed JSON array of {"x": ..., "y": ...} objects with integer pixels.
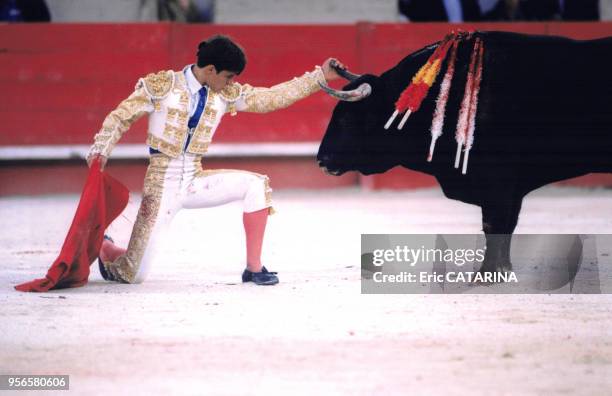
[
  {"x": 118, "y": 121},
  {"x": 263, "y": 100}
]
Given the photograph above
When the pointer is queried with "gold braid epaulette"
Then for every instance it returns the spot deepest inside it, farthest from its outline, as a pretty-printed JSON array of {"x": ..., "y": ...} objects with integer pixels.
[{"x": 158, "y": 85}]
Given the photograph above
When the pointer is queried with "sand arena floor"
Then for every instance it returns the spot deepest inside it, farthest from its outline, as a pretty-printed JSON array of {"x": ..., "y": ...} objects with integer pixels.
[{"x": 193, "y": 328}]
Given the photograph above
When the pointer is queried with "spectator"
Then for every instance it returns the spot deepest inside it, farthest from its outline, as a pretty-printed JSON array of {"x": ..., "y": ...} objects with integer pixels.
[
  {"x": 567, "y": 10},
  {"x": 579, "y": 10},
  {"x": 24, "y": 11},
  {"x": 206, "y": 10},
  {"x": 501, "y": 10},
  {"x": 115, "y": 11},
  {"x": 476, "y": 10},
  {"x": 540, "y": 10},
  {"x": 440, "y": 10},
  {"x": 178, "y": 11}
]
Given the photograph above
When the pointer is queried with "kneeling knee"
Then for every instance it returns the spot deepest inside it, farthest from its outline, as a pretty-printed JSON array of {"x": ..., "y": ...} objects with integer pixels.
[{"x": 259, "y": 194}]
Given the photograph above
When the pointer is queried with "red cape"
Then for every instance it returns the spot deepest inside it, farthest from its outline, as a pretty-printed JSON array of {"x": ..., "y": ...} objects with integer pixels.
[{"x": 102, "y": 200}]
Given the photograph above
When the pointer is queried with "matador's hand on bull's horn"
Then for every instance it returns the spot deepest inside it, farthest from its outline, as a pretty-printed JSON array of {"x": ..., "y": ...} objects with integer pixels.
[{"x": 331, "y": 68}]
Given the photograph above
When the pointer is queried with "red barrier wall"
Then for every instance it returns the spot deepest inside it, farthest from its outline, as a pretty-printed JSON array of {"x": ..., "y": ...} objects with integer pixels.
[{"x": 60, "y": 80}]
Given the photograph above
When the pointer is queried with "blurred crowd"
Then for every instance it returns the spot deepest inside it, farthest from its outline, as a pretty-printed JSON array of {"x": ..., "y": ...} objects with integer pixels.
[
  {"x": 125, "y": 10},
  {"x": 204, "y": 10},
  {"x": 500, "y": 10}
]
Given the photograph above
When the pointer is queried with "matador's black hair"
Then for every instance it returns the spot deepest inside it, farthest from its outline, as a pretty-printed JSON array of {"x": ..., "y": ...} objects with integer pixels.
[{"x": 221, "y": 52}]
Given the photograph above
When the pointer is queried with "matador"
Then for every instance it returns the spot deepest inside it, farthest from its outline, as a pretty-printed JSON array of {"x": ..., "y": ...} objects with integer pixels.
[{"x": 185, "y": 108}]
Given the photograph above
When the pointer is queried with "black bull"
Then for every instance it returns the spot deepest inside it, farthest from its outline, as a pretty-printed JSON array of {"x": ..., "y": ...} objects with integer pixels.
[{"x": 544, "y": 115}]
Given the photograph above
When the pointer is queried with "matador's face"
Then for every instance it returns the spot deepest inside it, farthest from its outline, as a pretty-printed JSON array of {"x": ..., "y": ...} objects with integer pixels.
[{"x": 218, "y": 81}]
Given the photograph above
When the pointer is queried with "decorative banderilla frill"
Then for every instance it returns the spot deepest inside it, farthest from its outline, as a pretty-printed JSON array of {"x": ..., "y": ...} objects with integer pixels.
[
  {"x": 438, "y": 121},
  {"x": 466, "y": 123},
  {"x": 411, "y": 98}
]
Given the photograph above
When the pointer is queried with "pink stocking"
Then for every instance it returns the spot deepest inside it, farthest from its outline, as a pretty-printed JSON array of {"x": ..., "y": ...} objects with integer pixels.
[{"x": 254, "y": 228}]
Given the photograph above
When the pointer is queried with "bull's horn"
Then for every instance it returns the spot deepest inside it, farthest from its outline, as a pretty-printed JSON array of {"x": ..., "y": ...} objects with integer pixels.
[
  {"x": 354, "y": 95},
  {"x": 343, "y": 72}
]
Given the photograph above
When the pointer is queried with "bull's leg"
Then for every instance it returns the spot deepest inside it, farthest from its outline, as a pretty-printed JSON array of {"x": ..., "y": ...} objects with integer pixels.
[{"x": 499, "y": 220}]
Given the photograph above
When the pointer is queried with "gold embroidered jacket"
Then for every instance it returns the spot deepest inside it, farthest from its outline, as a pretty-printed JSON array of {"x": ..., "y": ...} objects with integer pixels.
[{"x": 165, "y": 97}]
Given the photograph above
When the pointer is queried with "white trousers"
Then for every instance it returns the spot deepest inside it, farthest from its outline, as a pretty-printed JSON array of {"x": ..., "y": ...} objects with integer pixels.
[{"x": 172, "y": 184}]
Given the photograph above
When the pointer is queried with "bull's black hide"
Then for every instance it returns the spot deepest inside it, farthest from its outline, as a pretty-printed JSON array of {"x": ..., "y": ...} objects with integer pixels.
[{"x": 544, "y": 115}]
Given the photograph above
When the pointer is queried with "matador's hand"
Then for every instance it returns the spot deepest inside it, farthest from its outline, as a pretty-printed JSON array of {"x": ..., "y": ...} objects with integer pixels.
[
  {"x": 103, "y": 160},
  {"x": 328, "y": 71}
]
